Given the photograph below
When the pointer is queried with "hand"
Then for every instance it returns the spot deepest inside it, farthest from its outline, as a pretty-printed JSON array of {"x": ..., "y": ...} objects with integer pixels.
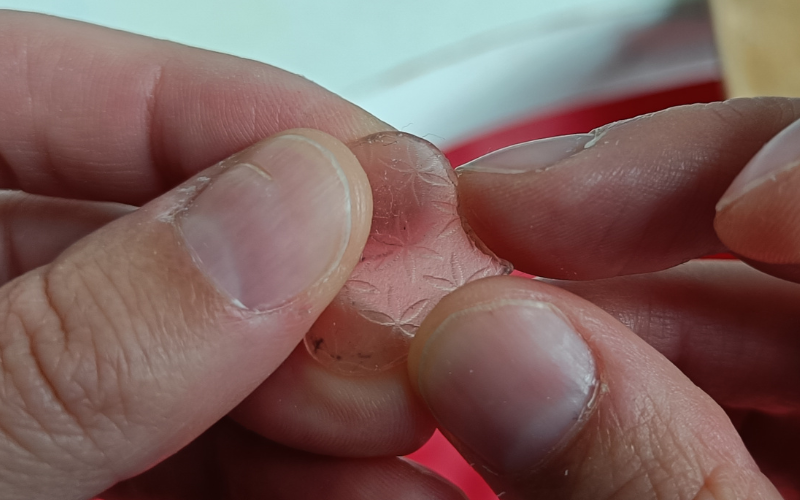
[
  {"x": 544, "y": 385},
  {"x": 121, "y": 346}
]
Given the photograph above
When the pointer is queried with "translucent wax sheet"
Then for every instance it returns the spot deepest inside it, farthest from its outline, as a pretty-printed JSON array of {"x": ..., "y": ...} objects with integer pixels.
[{"x": 417, "y": 252}]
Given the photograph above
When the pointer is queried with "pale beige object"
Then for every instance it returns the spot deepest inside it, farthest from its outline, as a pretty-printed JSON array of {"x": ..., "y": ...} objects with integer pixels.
[
  {"x": 418, "y": 251},
  {"x": 759, "y": 42}
]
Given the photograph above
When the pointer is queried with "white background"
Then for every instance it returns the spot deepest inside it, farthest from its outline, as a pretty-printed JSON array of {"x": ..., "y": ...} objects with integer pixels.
[{"x": 444, "y": 69}]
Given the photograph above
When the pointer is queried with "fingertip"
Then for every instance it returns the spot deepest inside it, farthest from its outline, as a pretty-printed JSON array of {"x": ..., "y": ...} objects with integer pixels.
[
  {"x": 548, "y": 395},
  {"x": 513, "y": 361},
  {"x": 761, "y": 223},
  {"x": 285, "y": 218}
]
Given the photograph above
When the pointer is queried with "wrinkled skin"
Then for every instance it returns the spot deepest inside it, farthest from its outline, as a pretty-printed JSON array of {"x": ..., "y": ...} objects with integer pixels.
[{"x": 121, "y": 361}]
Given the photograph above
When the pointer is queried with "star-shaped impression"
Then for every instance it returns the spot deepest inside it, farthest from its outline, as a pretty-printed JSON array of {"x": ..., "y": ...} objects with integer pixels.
[{"x": 417, "y": 252}]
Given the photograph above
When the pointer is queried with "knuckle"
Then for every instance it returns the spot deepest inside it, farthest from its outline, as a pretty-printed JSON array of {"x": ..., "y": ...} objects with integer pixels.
[
  {"x": 660, "y": 456},
  {"x": 645, "y": 458},
  {"x": 659, "y": 461},
  {"x": 65, "y": 381}
]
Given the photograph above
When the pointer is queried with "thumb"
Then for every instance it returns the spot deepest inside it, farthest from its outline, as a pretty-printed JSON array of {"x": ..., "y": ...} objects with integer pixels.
[
  {"x": 550, "y": 397},
  {"x": 140, "y": 336},
  {"x": 758, "y": 217}
]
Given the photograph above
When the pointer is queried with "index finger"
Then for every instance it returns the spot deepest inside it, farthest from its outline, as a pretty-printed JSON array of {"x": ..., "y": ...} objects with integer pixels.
[
  {"x": 634, "y": 197},
  {"x": 89, "y": 112}
]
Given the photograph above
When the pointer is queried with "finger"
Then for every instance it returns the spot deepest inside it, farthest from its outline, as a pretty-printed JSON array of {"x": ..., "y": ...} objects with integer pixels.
[
  {"x": 287, "y": 474},
  {"x": 308, "y": 407},
  {"x": 38, "y": 228},
  {"x": 140, "y": 336},
  {"x": 634, "y": 197},
  {"x": 88, "y": 112},
  {"x": 343, "y": 398},
  {"x": 732, "y": 330},
  {"x": 231, "y": 463},
  {"x": 759, "y": 215},
  {"x": 551, "y": 397}
]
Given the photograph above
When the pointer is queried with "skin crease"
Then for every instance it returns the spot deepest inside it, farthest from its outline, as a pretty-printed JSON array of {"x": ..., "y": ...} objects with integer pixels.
[
  {"x": 38, "y": 228},
  {"x": 74, "y": 346},
  {"x": 132, "y": 171},
  {"x": 728, "y": 327},
  {"x": 686, "y": 447},
  {"x": 160, "y": 151},
  {"x": 102, "y": 160},
  {"x": 747, "y": 319},
  {"x": 646, "y": 409},
  {"x": 741, "y": 311}
]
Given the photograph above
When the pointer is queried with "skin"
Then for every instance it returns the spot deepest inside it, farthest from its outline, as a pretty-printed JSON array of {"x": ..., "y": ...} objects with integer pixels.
[
  {"x": 652, "y": 183},
  {"x": 717, "y": 368},
  {"x": 106, "y": 121},
  {"x": 133, "y": 118}
]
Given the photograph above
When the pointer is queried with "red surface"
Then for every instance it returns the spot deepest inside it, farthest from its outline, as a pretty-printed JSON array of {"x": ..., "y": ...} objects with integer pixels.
[{"x": 438, "y": 454}]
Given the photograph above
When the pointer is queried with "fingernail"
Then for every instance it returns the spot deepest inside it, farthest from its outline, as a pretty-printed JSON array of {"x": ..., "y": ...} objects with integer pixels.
[
  {"x": 779, "y": 155},
  {"x": 273, "y": 224},
  {"x": 529, "y": 156},
  {"x": 510, "y": 380}
]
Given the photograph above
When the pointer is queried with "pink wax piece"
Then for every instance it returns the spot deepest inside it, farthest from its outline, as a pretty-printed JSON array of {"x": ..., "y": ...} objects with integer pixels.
[{"x": 417, "y": 252}]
